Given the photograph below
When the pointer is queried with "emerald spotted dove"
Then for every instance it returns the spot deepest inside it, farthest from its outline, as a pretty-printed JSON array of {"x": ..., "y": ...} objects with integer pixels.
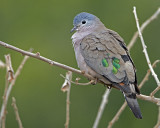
[{"x": 102, "y": 53}]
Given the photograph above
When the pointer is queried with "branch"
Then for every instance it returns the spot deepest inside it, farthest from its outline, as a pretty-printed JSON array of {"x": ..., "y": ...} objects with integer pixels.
[
  {"x": 147, "y": 74},
  {"x": 77, "y": 83},
  {"x": 116, "y": 117},
  {"x": 149, "y": 98},
  {"x": 67, "y": 87},
  {"x": 10, "y": 72},
  {"x": 51, "y": 62},
  {"x": 16, "y": 112},
  {"x": 143, "y": 26},
  {"x": 4, "y": 105},
  {"x": 158, "y": 122},
  {"x": 9, "y": 78},
  {"x": 102, "y": 107},
  {"x": 145, "y": 48},
  {"x": 155, "y": 91}
]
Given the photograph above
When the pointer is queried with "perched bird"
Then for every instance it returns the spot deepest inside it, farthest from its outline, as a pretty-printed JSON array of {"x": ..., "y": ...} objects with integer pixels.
[{"x": 102, "y": 53}]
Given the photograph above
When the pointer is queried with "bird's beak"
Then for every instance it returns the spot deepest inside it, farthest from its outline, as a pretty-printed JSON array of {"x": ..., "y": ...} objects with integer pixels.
[{"x": 73, "y": 29}]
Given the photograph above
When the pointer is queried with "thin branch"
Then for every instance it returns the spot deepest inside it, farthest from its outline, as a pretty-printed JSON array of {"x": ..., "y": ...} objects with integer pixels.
[
  {"x": 4, "y": 105},
  {"x": 102, "y": 107},
  {"x": 16, "y": 112},
  {"x": 143, "y": 26},
  {"x": 67, "y": 87},
  {"x": 9, "y": 77},
  {"x": 145, "y": 48},
  {"x": 147, "y": 74},
  {"x": 149, "y": 98},
  {"x": 158, "y": 122},
  {"x": 116, "y": 117},
  {"x": 77, "y": 83},
  {"x": 51, "y": 62},
  {"x": 155, "y": 91},
  {"x": 142, "y": 97},
  {"x": 9, "y": 68}
]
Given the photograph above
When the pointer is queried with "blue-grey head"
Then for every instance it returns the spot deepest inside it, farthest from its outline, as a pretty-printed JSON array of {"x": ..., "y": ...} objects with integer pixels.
[{"x": 84, "y": 21}]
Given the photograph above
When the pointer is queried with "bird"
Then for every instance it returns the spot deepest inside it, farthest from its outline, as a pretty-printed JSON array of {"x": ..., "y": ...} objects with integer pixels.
[{"x": 102, "y": 53}]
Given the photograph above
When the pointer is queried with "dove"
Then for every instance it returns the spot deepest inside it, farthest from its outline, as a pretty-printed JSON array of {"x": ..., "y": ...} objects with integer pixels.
[{"x": 102, "y": 53}]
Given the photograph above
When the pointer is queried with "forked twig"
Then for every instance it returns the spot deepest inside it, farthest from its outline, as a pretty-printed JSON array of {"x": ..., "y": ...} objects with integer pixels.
[
  {"x": 143, "y": 26},
  {"x": 4, "y": 105},
  {"x": 145, "y": 48}
]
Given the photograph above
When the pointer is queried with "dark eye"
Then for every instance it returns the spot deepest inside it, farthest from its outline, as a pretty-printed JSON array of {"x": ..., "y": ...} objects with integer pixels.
[{"x": 83, "y": 22}]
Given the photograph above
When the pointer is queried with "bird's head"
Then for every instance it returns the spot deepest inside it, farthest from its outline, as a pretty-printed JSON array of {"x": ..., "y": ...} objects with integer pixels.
[{"x": 84, "y": 21}]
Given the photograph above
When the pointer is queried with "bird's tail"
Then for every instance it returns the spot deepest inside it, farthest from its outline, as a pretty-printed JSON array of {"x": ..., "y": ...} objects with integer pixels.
[{"x": 133, "y": 104}]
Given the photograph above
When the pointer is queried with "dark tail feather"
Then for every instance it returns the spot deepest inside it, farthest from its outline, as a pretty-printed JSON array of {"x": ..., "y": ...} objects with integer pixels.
[{"x": 133, "y": 104}]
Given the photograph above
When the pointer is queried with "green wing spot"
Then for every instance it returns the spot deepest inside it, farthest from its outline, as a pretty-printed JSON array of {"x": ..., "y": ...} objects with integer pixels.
[
  {"x": 116, "y": 65},
  {"x": 114, "y": 70},
  {"x": 105, "y": 63},
  {"x": 116, "y": 60}
]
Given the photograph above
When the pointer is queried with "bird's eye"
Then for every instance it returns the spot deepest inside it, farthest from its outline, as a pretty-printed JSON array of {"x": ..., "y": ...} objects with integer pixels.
[{"x": 83, "y": 22}]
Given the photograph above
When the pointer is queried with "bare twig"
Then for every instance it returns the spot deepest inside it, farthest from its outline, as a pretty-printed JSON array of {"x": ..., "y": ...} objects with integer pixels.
[
  {"x": 149, "y": 98},
  {"x": 155, "y": 91},
  {"x": 51, "y": 62},
  {"x": 147, "y": 74},
  {"x": 142, "y": 97},
  {"x": 4, "y": 105},
  {"x": 10, "y": 72},
  {"x": 77, "y": 83},
  {"x": 145, "y": 48},
  {"x": 102, "y": 107},
  {"x": 147, "y": 58},
  {"x": 16, "y": 112},
  {"x": 158, "y": 122},
  {"x": 67, "y": 87},
  {"x": 116, "y": 117},
  {"x": 143, "y": 26},
  {"x": 9, "y": 77}
]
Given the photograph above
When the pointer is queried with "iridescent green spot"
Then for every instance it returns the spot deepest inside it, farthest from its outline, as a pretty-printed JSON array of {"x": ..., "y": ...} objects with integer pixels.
[
  {"x": 105, "y": 63},
  {"x": 114, "y": 70},
  {"x": 116, "y": 65},
  {"x": 116, "y": 60}
]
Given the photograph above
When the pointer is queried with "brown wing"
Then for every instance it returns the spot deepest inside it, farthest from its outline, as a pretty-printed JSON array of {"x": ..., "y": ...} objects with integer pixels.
[{"x": 106, "y": 54}]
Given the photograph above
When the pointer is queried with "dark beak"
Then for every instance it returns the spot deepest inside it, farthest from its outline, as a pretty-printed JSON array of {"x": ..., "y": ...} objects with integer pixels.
[{"x": 73, "y": 29}]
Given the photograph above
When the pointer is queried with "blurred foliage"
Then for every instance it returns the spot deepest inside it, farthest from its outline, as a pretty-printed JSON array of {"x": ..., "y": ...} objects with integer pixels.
[{"x": 45, "y": 26}]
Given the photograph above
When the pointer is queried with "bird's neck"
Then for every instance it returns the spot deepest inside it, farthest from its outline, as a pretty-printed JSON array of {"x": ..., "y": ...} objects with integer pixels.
[{"x": 79, "y": 35}]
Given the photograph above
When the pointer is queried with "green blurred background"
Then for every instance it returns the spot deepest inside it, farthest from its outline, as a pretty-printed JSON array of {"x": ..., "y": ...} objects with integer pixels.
[{"x": 45, "y": 26}]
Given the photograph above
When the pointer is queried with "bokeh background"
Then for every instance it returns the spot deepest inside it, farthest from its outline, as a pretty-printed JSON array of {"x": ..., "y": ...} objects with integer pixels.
[{"x": 45, "y": 26}]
